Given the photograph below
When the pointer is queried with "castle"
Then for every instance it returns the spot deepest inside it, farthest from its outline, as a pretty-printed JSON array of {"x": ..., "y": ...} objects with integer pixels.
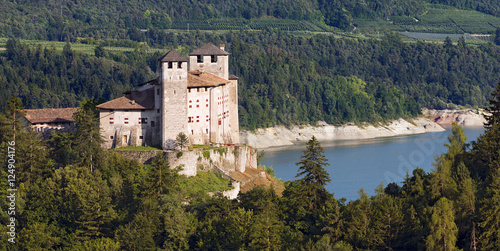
[{"x": 201, "y": 102}]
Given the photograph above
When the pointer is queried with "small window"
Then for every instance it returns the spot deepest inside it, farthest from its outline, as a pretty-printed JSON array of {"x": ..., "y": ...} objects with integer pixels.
[
  {"x": 157, "y": 110},
  {"x": 197, "y": 106},
  {"x": 213, "y": 58},
  {"x": 197, "y": 117},
  {"x": 206, "y": 90},
  {"x": 206, "y": 129},
  {"x": 179, "y": 65},
  {"x": 111, "y": 137},
  {"x": 190, "y": 101},
  {"x": 140, "y": 137},
  {"x": 190, "y": 106},
  {"x": 157, "y": 91},
  {"x": 139, "y": 121},
  {"x": 111, "y": 121},
  {"x": 169, "y": 65},
  {"x": 175, "y": 92},
  {"x": 220, "y": 122},
  {"x": 144, "y": 121},
  {"x": 197, "y": 120},
  {"x": 152, "y": 124},
  {"x": 198, "y": 89},
  {"x": 189, "y": 119},
  {"x": 126, "y": 121},
  {"x": 199, "y": 59},
  {"x": 207, "y": 105},
  {"x": 192, "y": 132}
]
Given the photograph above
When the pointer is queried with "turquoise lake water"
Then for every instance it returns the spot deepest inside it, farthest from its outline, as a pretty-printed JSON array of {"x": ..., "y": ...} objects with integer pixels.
[{"x": 356, "y": 164}]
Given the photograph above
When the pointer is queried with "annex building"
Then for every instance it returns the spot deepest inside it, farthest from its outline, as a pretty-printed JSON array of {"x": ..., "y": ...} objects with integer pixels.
[{"x": 196, "y": 96}]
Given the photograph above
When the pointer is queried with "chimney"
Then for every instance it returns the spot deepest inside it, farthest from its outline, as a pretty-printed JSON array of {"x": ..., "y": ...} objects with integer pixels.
[
  {"x": 221, "y": 46},
  {"x": 133, "y": 102},
  {"x": 201, "y": 70}
]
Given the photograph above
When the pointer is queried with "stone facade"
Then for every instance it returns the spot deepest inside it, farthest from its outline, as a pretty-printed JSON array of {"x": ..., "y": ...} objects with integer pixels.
[{"x": 201, "y": 102}]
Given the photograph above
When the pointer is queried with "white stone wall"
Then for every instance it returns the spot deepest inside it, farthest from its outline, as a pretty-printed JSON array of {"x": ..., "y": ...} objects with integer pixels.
[
  {"x": 127, "y": 127},
  {"x": 174, "y": 100},
  {"x": 219, "y": 68},
  {"x": 198, "y": 103}
]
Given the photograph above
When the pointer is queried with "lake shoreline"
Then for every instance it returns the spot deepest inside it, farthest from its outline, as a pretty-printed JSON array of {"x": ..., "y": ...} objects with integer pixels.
[{"x": 431, "y": 121}]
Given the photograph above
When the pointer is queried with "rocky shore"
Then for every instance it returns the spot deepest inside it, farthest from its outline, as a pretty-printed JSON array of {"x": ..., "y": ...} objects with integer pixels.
[
  {"x": 464, "y": 117},
  {"x": 281, "y": 135}
]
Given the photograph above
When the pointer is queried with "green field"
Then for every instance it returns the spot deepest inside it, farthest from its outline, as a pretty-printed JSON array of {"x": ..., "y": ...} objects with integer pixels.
[
  {"x": 205, "y": 182},
  {"x": 437, "y": 20}
]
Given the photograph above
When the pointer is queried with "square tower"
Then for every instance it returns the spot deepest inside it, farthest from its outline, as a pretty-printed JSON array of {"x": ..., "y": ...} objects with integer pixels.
[
  {"x": 173, "y": 81},
  {"x": 211, "y": 59}
]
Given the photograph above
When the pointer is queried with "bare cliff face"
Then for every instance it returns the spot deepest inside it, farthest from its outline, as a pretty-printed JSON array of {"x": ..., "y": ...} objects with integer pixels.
[
  {"x": 464, "y": 117},
  {"x": 280, "y": 135}
]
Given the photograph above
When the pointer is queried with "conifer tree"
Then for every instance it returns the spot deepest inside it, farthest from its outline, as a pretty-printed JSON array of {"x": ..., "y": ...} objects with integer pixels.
[
  {"x": 443, "y": 231},
  {"x": 161, "y": 179},
  {"x": 314, "y": 176},
  {"x": 88, "y": 135},
  {"x": 490, "y": 217}
]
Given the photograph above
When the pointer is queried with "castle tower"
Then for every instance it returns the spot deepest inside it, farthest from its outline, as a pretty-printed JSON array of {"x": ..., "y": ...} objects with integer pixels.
[
  {"x": 211, "y": 59},
  {"x": 173, "y": 87}
]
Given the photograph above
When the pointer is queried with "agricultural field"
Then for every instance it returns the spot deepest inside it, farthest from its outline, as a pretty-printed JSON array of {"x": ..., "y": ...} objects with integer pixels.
[
  {"x": 78, "y": 47},
  {"x": 244, "y": 24},
  {"x": 437, "y": 20}
]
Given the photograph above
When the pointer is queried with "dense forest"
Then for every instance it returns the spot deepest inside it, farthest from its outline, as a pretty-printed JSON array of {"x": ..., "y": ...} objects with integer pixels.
[
  {"x": 69, "y": 20},
  {"x": 97, "y": 200},
  {"x": 284, "y": 79}
]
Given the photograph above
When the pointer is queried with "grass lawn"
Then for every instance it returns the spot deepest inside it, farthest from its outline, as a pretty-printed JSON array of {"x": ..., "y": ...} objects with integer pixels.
[{"x": 205, "y": 182}]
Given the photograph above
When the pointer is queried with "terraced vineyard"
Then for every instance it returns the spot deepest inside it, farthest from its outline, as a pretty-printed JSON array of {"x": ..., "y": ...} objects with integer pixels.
[
  {"x": 437, "y": 20},
  {"x": 244, "y": 24}
]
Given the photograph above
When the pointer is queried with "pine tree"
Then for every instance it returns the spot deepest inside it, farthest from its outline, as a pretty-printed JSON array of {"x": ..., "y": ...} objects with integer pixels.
[
  {"x": 493, "y": 118},
  {"x": 443, "y": 231},
  {"x": 490, "y": 216},
  {"x": 88, "y": 135},
  {"x": 161, "y": 179},
  {"x": 314, "y": 176}
]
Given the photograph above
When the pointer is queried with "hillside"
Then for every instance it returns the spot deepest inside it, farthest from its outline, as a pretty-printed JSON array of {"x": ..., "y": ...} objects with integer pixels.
[
  {"x": 284, "y": 79},
  {"x": 70, "y": 20}
]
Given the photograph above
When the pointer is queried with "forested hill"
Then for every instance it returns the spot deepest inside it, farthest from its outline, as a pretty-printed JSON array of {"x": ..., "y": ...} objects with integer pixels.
[
  {"x": 68, "y": 20},
  {"x": 284, "y": 79}
]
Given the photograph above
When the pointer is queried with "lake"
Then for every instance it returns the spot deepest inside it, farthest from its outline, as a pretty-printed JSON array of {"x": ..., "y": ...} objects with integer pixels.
[{"x": 356, "y": 164}]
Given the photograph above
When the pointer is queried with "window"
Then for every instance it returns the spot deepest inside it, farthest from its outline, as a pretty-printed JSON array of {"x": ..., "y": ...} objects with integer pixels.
[
  {"x": 126, "y": 121},
  {"x": 139, "y": 121},
  {"x": 190, "y": 106},
  {"x": 213, "y": 58},
  {"x": 140, "y": 137},
  {"x": 157, "y": 110},
  {"x": 199, "y": 59},
  {"x": 144, "y": 121},
  {"x": 207, "y": 130},
  {"x": 152, "y": 124},
  {"x": 189, "y": 119},
  {"x": 207, "y": 105},
  {"x": 111, "y": 137},
  {"x": 169, "y": 65},
  {"x": 111, "y": 121},
  {"x": 220, "y": 122},
  {"x": 197, "y": 120},
  {"x": 157, "y": 91},
  {"x": 197, "y": 106},
  {"x": 179, "y": 65}
]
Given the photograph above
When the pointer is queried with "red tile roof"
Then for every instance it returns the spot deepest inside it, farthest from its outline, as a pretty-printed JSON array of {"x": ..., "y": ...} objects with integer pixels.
[
  {"x": 204, "y": 79},
  {"x": 50, "y": 115},
  {"x": 136, "y": 100}
]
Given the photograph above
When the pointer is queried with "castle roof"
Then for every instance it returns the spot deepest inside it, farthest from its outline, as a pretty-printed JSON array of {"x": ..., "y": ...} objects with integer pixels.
[
  {"x": 173, "y": 56},
  {"x": 50, "y": 115},
  {"x": 204, "y": 79},
  {"x": 208, "y": 49},
  {"x": 136, "y": 100}
]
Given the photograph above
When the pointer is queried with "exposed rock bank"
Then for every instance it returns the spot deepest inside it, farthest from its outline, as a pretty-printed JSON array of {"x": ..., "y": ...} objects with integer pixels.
[
  {"x": 464, "y": 117},
  {"x": 281, "y": 135}
]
